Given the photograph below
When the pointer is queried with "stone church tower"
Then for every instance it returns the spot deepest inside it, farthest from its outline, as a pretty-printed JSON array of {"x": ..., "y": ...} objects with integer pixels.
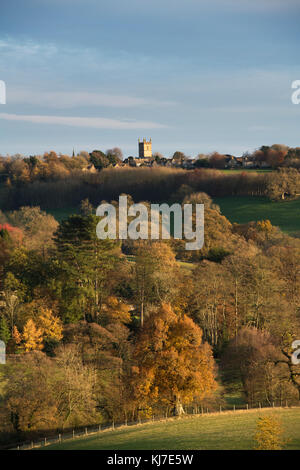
[{"x": 145, "y": 149}]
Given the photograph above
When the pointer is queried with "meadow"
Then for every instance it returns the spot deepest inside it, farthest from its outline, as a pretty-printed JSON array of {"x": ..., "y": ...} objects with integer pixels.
[
  {"x": 240, "y": 209},
  {"x": 225, "y": 431},
  {"x": 243, "y": 209}
]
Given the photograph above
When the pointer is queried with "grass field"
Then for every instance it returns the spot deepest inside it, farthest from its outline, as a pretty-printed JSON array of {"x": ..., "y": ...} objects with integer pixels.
[
  {"x": 240, "y": 209},
  {"x": 230, "y": 430}
]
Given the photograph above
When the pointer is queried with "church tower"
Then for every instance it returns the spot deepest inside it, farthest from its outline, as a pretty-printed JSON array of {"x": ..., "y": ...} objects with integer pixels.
[{"x": 145, "y": 148}]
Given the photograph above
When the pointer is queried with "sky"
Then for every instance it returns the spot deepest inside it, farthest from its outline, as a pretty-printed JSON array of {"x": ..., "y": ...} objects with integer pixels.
[{"x": 195, "y": 75}]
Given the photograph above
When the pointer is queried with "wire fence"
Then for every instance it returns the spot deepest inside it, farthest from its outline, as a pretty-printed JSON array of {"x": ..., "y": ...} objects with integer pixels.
[{"x": 100, "y": 428}]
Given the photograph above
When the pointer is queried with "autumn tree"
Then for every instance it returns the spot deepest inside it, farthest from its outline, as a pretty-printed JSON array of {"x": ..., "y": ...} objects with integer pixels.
[
  {"x": 74, "y": 388},
  {"x": 269, "y": 434},
  {"x": 38, "y": 227},
  {"x": 32, "y": 337},
  {"x": 283, "y": 183},
  {"x": 28, "y": 393},
  {"x": 155, "y": 272},
  {"x": 172, "y": 364}
]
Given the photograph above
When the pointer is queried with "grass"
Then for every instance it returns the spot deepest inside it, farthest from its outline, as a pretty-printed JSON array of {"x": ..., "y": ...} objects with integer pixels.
[
  {"x": 243, "y": 209},
  {"x": 246, "y": 170},
  {"x": 230, "y": 430},
  {"x": 240, "y": 209}
]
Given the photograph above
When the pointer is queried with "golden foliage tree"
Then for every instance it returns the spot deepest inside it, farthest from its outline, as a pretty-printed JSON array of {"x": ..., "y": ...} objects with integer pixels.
[
  {"x": 50, "y": 325},
  {"x": 32, "y": 337},
  {"x": 115, "y": 311},
  {"x": 172, "y": 364},
  {"x": 269, "y": 434}
]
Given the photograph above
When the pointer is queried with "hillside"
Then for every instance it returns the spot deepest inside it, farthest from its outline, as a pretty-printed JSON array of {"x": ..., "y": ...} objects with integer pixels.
[{"x": 230, "y": 430}]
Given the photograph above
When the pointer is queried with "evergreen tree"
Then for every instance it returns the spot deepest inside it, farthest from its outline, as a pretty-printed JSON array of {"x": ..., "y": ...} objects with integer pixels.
[{"x": 86, "y": 264}]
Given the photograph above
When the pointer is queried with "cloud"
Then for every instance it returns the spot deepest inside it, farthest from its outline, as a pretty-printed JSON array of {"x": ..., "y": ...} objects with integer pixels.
[
  {"x": 69, "y": 99},
  {"x": 91, "y": 122}
]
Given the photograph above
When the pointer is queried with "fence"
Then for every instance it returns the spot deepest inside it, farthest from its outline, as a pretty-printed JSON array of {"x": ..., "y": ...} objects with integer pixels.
[{"x": 97, "y": 429}]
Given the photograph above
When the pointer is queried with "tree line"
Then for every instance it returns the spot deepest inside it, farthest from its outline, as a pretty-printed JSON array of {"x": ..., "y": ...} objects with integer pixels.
[{"x": 149, "y": 184}]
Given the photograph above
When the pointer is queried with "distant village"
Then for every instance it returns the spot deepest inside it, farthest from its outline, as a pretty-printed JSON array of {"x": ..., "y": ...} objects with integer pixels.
[{"x": 180, "y": 160}]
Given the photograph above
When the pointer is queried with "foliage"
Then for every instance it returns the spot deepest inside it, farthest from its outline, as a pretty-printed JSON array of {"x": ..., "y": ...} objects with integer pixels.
[{"x": 269, "y": 434}]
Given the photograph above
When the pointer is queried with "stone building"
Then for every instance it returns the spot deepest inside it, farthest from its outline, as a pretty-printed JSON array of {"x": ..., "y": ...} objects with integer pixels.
[{"x": 145, "y": 149}]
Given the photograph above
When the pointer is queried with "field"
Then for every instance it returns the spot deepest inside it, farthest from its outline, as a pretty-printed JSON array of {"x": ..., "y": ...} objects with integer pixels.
[
  {"x": 241, "y": 209},
  {"x": 284, "y": 214},
  {"x": 230, "y": 430}
]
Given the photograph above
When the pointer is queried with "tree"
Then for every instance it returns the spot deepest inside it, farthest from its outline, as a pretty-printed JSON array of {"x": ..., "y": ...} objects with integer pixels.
[
  {"x": 86, "y": 266},
  {"x": 16, "y": 340},
  {"x": 269, "y": 434},
  {"x": 217, "y": 160},
  {"x": 28, "y": 393},
  {"x": 178, "y": 157},
  {"x": 172, "y": 364},
  {"x": 155, "y": 272},
  {"x": 115, "y": 311},
  {"x": 4, "y": 330},
  {"x": 114, "y": 155},
  {"x": 86, "y": 208},
  {"x": 99, "y": 159},
  {"x": 32, "y": 337},
  {"x": 74, "y": 388},
  {"x": 285, "y": 182},
  {"x": 38, "y": 227},
  {"x": 50, "y": 325}
]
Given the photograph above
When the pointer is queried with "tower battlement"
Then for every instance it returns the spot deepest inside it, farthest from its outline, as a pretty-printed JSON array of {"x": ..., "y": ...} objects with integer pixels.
[{"x": 145, "y": 148}]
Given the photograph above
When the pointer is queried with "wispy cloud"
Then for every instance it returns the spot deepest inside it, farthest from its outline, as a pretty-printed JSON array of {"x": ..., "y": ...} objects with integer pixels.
[
  {"x": 72, "y": 99},
  {"x": 92, "y": 122}
]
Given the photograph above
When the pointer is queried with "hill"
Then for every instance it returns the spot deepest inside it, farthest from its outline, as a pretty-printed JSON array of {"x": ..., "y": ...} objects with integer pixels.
[{"x": 229, "y": 430}]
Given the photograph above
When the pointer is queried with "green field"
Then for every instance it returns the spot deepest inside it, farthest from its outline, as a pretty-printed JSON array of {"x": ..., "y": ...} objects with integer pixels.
[
  {"x": 240, "y": 209},
  {"x": 230, "y": 430}
]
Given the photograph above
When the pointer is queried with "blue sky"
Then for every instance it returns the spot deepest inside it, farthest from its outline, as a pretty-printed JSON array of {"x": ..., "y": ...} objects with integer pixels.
[{"x": 195, "y": 75}]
